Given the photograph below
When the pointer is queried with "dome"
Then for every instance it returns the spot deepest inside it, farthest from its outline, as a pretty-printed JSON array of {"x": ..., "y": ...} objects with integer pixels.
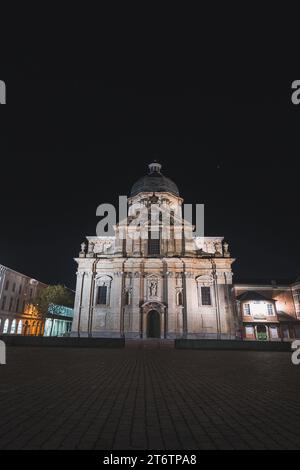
[{"x": 154, "y": 182}]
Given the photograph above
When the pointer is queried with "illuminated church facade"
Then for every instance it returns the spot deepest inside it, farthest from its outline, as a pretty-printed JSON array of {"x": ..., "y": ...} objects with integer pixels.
[
  {"x": 176, "y": 286},
  {"x": 154, "y": 286}
]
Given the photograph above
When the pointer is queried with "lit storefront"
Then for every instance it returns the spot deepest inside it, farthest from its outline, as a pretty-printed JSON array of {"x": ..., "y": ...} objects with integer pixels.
[
  {"x": 266, "y": 313},
  {"x": 259, "y": 317},
  {"x": 58, "y": 320}
]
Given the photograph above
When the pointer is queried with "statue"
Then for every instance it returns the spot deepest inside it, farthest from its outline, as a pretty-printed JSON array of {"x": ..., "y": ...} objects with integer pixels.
[
  {"x": 217, "y": 248},
  {"x": 91, "y": 247},
  {"x": 226, "y": 250},
  {"x": 107, "y": 245},
  {"x": 153, "y": 288},
  {"x": 83, "y": 247}
]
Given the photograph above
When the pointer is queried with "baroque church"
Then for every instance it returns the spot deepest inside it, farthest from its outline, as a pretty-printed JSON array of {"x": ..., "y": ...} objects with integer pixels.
[
  {"x": 153, "y": 276},
  {"x": 149, "y": 285}
]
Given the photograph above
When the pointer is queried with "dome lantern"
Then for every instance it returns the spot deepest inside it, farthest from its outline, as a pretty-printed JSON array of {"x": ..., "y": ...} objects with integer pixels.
[
  {"x": 154, "y": 167},
  {"x": 154, "y": 182}
]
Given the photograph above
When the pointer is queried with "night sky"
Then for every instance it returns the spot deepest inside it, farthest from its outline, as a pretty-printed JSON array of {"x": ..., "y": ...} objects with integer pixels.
[{"x": 68, "y": 145}]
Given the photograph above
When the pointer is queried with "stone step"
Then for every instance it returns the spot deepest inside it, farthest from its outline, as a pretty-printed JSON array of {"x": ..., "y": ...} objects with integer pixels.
[{"x": 149, "y": 343}]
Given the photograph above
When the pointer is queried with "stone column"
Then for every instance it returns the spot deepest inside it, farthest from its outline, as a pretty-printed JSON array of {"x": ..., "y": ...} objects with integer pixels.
[
  {"x": 231, "y": 322},
  {"x": 141, "y": 297},
  {"x": 189, "y": 303},
  {"x": 78, "y": 303},
  {"x": 135, "y": 302},
  {"x": 85, "y": 308},
  {"x": 164, "y": 297},
  {"x": 184, "y": 310},
  {"x": 118, "y": 301}
]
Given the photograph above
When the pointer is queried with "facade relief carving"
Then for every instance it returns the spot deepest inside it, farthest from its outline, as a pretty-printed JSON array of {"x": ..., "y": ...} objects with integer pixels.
[
  {"x": 205, "y": 280},
  {"x": 210, "y": 246},
  {"x": 102, "y": 280},
  {"x": 104, "y": 246},
  {"x": 159, "y": 306}
]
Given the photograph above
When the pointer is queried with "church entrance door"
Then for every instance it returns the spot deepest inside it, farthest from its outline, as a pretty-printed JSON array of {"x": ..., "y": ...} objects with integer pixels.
[{"x": 153, "y": 324}]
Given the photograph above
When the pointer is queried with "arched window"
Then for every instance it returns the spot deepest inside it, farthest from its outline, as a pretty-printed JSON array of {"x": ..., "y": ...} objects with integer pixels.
[
  {"x": 102, "y": 295},
  {"x": 13, "y": 327},
  {"x": 205, "y": 295},
  {"x": 5, "y": 328},
  {"x": 172, "y": 217},
  {"x": 204, "y": 284},
  {"x": 179, "y": 298},
  {"x": 19, "y": 330},
  {"x": 102, "y": 291}
]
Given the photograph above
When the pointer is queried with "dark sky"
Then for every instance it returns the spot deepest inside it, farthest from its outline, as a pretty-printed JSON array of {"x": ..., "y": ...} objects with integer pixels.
[{"x": 68, "y": 145}]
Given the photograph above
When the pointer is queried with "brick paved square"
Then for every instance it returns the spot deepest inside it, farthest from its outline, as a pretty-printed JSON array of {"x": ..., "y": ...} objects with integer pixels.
[{"x": 148, "y": 398}]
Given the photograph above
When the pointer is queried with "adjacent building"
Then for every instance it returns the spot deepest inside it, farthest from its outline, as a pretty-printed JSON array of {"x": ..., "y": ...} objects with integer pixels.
[
  {"x": 58, "y": 320},
  {"x": 18, "y": 313},
  {"x": 268, "y": 311},
  {"x": 296, "y": 296}
]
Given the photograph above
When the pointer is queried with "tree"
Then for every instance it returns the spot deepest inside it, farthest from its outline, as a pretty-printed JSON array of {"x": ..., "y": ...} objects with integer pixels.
[{"x": 56, "y": 295}]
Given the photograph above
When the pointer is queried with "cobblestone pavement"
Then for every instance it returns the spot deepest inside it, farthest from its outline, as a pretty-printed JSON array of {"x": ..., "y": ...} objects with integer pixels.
[{"x": 152, "y": 397}]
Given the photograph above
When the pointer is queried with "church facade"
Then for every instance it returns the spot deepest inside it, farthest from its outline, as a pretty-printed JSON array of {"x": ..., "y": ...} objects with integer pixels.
[{"x": 150, "y": 285}]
